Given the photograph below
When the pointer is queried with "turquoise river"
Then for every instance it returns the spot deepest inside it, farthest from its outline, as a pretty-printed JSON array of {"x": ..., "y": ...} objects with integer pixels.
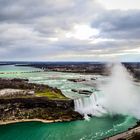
[{"x": 95, "y": 129}]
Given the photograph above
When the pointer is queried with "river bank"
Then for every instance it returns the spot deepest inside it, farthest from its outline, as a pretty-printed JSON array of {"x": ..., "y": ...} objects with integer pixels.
[
  {"x": 133, "y": 134},
  {"x": 33, "y": 120},
  {"x": 23, "y": 101}
]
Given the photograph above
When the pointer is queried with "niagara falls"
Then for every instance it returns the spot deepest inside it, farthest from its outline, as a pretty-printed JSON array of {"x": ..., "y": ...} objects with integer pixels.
[
  {"x": 118, "y": 96},
  {"x": 69, "y": 69}
]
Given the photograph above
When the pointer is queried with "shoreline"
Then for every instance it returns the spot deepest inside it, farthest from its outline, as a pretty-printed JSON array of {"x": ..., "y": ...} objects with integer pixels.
[
  {"x": 33, "y": 120},
  {"x": 124, "y": 135},
  {"x": 128, "y": 134}
]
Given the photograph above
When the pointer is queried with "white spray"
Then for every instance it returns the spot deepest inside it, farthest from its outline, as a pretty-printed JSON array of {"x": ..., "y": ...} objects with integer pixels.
[{"x": 120, "y": 94}]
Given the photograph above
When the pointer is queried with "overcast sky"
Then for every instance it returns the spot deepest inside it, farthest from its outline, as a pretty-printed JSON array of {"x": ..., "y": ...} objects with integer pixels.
[{"x": 70, "y": 30}]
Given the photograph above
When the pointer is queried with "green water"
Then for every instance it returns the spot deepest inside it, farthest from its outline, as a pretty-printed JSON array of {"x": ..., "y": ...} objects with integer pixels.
[
  {"x": 12, "y": 68},
  {"x": 96, "y": 128}
]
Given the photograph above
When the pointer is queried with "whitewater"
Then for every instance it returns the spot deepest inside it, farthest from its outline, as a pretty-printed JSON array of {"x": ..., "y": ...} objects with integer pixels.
[{"x": 118, "y": 97}]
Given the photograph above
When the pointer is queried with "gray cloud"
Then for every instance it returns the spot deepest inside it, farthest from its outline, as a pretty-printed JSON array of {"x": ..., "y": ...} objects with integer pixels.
[
  {"x": 36, "y": 29},
  {"x": 119, "y": 24}
]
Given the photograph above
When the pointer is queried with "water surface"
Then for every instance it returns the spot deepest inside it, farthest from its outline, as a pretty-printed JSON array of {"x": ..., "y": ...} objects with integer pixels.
[{"x": 96, "y": 128}]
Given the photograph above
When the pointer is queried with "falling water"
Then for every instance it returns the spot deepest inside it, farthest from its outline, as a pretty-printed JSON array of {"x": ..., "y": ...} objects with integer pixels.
[
  {"x": 119, "y": 96},
  {"x": 89, "y": 106}
]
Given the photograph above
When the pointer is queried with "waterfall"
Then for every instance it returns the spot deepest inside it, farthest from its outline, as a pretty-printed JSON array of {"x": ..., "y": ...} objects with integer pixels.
[
  {"x": 89, "y": 106},
  {"x": 118, "y": 96}
]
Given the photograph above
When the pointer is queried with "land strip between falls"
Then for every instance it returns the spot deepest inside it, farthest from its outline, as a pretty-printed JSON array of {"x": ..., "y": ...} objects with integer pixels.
[
  {"x": 23, "y": 101},
  {"x": 36, "y": 109}
]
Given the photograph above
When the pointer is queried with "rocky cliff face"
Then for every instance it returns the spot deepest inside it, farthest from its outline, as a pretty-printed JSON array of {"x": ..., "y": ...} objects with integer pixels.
[{"x": 37, "y": 108}]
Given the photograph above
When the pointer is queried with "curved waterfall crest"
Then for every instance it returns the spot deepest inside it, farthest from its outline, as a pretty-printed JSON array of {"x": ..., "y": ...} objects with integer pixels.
[
  {"x": 89, "y": 106},
  {"x": 118, "y": 96}
]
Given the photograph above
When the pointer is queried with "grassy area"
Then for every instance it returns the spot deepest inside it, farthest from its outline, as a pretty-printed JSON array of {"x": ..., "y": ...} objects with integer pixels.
[{"x": 51, "y": 95}]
